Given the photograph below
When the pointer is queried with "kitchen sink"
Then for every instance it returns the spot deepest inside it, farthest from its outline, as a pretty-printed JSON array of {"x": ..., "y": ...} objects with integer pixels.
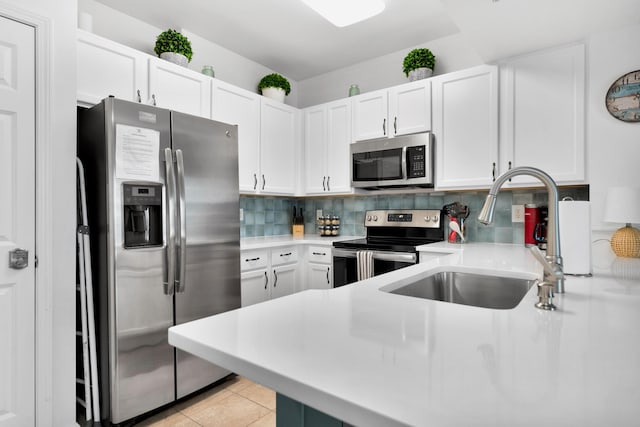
[{"x": 478, "y": 290}]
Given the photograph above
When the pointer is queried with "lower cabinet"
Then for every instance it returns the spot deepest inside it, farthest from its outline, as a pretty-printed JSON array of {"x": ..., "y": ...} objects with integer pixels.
[
  {"x": 268, "y": 274},
  {"x": 319, "y": 274}
]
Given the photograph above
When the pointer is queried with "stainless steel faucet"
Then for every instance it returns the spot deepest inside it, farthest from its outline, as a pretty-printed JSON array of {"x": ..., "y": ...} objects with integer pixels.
[{"x": 553, "y": 267}]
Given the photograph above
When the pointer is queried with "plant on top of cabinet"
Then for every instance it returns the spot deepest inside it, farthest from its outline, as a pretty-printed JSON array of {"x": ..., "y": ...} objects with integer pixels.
[
  {"x": 418, "y": 64},
  {"x": 174, "y": 47},
  {"x": 274, "y": 86}
]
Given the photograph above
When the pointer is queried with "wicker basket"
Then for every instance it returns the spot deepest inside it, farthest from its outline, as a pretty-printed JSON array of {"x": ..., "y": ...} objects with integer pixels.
[{"x": 626, "y": 242}]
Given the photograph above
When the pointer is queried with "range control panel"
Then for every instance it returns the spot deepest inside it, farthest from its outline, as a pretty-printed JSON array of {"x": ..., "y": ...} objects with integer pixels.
[{"x": 424, "y": 218}]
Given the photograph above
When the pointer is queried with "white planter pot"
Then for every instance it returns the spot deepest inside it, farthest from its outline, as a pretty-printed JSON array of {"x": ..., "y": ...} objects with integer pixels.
[
  {"x": 274, "y": 93},
  {"x": 176, "y": 58},
  {"x": 419, "y": 74}
]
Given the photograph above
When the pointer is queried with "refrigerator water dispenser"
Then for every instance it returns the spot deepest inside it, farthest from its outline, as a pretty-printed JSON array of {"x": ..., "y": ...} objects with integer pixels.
[{"x": 142, "y": 204}]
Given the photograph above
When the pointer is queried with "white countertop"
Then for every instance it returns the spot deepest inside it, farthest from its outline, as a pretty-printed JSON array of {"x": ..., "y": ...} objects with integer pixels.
[
  {"x": 376, "y": 359},
  {"x": 248, "y": 243}
]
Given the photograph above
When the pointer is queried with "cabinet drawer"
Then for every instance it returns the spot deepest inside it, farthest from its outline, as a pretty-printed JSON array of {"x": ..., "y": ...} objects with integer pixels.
[
  {"x": 284, "y": 255},
  {"x": 251, "y": 260},
  {"x": 320, "y": 254}
]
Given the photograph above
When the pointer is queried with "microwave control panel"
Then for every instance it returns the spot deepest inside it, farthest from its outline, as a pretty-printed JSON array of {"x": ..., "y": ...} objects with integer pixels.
[{"x": 416, "y": 161}]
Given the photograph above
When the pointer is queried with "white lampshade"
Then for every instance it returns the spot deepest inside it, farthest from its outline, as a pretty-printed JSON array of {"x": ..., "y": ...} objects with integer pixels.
[
  {"x": 346, "y": 12},
  {"x": 623, "y": 205}
]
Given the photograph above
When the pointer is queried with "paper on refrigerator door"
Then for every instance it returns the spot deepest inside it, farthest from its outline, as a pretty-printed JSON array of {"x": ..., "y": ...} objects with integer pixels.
[{"x": 137, "y": 153}]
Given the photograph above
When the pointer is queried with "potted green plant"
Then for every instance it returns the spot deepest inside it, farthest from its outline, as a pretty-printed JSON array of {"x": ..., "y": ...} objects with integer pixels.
[
  {"x": 274, "y": 86},
  {"x": 418, "y": 64},
  {"x": 174, "y": 47}
]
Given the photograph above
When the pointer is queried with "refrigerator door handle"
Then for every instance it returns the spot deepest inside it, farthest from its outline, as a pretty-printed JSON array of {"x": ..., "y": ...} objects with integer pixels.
[
  {"x": 170, "y": 212},
  {"x": 182, "y": 215}
]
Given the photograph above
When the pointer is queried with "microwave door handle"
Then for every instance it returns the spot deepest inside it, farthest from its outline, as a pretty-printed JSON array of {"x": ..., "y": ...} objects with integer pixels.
[
  {"x": 404, "y": 162},
  {"x": 182, "y": 215},
  {"x": 170, "y": 213}
]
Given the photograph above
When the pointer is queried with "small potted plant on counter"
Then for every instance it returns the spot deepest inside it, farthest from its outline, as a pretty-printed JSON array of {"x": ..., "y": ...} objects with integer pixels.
[
  {"x": 174, "y": 47},
  {"x": 274, "y": 86},
  {"x": 418, "y": 64}
]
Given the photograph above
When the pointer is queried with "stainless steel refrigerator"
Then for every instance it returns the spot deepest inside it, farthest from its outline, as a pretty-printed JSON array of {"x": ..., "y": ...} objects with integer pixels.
[{"x": 163, "y": 204}]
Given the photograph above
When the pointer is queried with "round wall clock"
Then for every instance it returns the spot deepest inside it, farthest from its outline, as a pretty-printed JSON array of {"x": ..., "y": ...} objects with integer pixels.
[{"x": 623, "y": 98}]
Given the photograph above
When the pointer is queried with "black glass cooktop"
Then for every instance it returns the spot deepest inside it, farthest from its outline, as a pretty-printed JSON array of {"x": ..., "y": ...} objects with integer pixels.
[{"x": 408, "y": 245}]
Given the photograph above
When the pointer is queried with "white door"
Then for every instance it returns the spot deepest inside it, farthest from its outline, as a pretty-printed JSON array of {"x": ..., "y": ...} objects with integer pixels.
[
  {"x": 284, "y": 280},
  {"x": 315, "y": 140},
  {"x": 17, "y": 223},
  {"x": 278, "y": 139},
  {"x": 236, "y": 106},
  {"x": 410, "y": 108},
  {"x": 178, "y": 88},
  {"x": 318, "y": 276},
  {"x": 370, "y": 116},
  {"x": 338, "y": 144}
]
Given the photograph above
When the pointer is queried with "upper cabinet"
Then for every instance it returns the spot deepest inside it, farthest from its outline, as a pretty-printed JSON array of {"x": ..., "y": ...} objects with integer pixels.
[
  {"x": 231, "y": 104},
  {"x": 178, "y": 88},
  {"x": 542, "y": 114},
  {"x": 465, "y": 126},
  {"x": 279, "y": 136},
  {"x": 107, "y": 68},
  {"x": 327, "y": 131},
  {"x": 399, "y": 110}
]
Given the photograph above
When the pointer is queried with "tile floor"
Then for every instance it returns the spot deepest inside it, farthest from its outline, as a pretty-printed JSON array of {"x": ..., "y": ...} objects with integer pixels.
[{"x": 237, "y": 402}]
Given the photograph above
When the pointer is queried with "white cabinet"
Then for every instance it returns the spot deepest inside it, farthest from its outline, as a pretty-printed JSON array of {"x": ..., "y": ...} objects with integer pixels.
[
  {"x": 178, "y": 88},
  {"x": 279, "y": 137},
  {"x": 370, "y": 115},
  {"x": 267, "y": 274},
  {"x": 465, "y": 126},
  {"x": 399, "y": 110},
  {"x": 327, "y": 135},
  {"x": 410, "y": 108},
  {"x": 542, "y": 114},
  {"x": 231, "y": 104},
  {"x": 107, "y": 68},
  {"x": 318, "y": 269}
]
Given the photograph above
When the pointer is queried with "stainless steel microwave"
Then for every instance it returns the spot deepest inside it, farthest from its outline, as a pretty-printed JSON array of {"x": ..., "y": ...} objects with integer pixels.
[{"x": 403, "y": 161}]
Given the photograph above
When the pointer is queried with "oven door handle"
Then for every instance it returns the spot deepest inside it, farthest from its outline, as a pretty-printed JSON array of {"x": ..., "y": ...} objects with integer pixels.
[{"x": 380, "y": 255}]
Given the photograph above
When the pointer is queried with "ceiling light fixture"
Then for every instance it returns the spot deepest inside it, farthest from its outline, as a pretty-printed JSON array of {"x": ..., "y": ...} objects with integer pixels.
[{"x": 346, "y": 12}]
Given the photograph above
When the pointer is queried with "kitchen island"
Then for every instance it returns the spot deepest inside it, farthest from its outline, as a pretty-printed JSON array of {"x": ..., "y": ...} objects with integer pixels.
[{"x": 371, "y": 358}]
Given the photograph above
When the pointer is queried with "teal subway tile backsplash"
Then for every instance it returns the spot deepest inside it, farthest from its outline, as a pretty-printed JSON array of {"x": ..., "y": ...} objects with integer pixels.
[{"x": 271, "y": 216}]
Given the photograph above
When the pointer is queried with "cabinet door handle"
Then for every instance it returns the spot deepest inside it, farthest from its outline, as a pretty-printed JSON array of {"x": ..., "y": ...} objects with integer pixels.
[
  {"x": 255, "y": 181},
  {"x": 384, "y": 126},
  {"x": 252, "y": 259},
  {"x": 328, "y": 282},
  {"x": 395, "y": 125},
  {"x": 275, "y": 282},
  {"x": 328, "y": 186},
  {"x": 287, "y": 254},
  {"x": 320, "y": 253},
  {"x": 139, "y": 97},
  {"x": 324, "y": 188},
  {"x": 493, "y": 172},
  {"x": 509, "y": 169},
  {"x": 266, "y": 280},
  {"x": 153, "y": 100},
  {"x": 264, "y": 181}
]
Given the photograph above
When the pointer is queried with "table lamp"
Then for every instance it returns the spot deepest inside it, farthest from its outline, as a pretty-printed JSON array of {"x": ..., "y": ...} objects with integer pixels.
[{"x": 623, "y": 206}]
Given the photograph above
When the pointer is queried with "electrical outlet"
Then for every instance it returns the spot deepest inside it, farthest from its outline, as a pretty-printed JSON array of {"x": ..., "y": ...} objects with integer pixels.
[
  {"x": 241, "y": 214},
  {"x": 517, "y": 213},
  {"x": 318, "y": 213}
]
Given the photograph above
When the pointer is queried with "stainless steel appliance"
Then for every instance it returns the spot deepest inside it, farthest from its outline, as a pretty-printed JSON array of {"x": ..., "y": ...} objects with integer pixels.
[
  {"x": 390, "y": 244},
  {"x": 162, "y": 191},
  {"x": 403, "y": 161}
]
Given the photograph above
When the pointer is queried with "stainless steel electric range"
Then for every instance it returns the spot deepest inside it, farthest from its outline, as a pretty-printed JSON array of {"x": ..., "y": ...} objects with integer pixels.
[{"x": 390, "y": 244}]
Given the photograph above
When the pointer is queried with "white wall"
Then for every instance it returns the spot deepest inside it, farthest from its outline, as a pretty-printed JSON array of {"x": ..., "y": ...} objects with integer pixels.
[
  {"x": 613, "y": 152},
  {"x": 55, "y": 391},
  {"x": 228, "y": 66},
  {"x": 452, "y": 53}
]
